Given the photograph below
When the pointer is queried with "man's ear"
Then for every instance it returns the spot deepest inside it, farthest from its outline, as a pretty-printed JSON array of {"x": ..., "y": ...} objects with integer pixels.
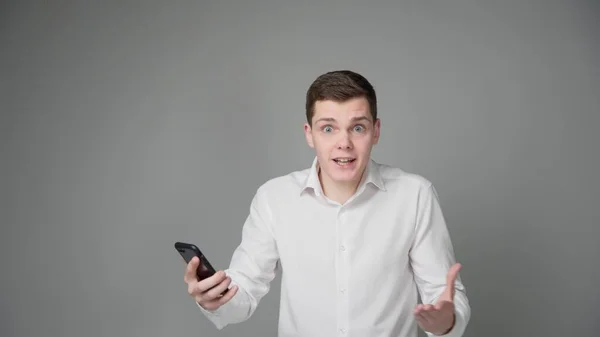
[
  {"x": 308, "y": 135},
  {"x": 377, "y": 131}
]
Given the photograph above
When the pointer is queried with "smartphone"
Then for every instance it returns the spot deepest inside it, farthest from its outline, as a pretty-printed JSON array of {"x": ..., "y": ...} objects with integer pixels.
[{"x": 188, "y": 251}]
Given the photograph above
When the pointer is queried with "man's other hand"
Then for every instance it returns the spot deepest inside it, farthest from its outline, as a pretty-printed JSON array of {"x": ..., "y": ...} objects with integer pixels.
[
  {"x": 210, "y": 292},
  {"x": 439, "y": 319}
]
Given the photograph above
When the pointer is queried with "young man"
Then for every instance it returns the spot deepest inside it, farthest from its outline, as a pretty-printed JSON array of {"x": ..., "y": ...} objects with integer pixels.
[{"x": 356, "y": 240}]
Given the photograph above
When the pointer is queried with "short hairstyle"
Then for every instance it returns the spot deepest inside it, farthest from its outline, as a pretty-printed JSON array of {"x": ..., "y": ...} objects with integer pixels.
[{"x": 340, "y": 86}]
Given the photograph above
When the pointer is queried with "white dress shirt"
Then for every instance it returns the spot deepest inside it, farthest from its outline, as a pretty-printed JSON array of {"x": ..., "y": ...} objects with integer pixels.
[{"x": 351, "y": 270}]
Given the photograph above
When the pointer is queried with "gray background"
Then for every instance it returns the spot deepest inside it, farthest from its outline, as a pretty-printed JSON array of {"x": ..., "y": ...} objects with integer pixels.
[{"x": 128, "y": 126}]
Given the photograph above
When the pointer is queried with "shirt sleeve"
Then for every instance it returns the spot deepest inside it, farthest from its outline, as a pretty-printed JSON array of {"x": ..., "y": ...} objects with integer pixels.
[
  {"x": 432, "y": 255},
  {"x": 252, "y": 268}
]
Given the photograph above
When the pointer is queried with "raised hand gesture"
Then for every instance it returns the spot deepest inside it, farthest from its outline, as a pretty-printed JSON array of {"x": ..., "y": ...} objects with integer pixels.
[{"x": 439, "y": 318}]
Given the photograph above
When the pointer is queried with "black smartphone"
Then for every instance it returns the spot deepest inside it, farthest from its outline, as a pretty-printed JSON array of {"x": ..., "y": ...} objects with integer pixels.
[{"x": 188, "y": 251}]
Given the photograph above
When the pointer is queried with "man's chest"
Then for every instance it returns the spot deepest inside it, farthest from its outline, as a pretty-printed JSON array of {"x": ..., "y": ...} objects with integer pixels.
[{"x": 352, "y": 240}]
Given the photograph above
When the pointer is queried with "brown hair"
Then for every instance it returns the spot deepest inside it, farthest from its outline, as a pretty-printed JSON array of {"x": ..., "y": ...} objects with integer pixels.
[{"x": 340, "y": 86}]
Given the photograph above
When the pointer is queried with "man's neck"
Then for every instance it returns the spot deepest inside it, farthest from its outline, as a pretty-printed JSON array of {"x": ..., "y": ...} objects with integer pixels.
[{"x": 338, "y": 192}]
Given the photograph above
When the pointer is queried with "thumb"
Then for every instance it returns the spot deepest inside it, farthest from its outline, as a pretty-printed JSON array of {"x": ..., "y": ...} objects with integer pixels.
[
  {"x": 190, "y": 270},
  {"x": 448, "y": 294}
]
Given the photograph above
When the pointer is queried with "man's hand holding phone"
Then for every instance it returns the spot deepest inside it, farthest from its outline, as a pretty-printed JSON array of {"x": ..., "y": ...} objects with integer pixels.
[{"x": 212, "y": 292}]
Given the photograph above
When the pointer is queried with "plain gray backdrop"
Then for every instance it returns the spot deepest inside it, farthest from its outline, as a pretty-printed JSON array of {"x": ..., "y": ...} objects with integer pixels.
[{"x": 127, "y": 126}]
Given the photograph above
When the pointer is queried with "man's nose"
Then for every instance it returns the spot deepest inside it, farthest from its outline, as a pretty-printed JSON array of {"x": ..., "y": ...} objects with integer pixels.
[{"x": 344, "y": 142}]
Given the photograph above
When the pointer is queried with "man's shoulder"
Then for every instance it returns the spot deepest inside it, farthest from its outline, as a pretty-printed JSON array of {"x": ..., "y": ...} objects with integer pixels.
[
  {"x": 396, "y": 176},
  {"x": 292, "y": 182}
]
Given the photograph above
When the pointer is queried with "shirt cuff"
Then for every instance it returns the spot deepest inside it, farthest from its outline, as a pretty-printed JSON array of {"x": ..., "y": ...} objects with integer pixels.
[{"x": 213, "y": 315}]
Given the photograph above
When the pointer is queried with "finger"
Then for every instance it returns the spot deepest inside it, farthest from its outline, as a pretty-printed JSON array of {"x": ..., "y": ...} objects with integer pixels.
[
  {"x": 428, "y": 311},
  {"x": 429, "y": 316},
  {"x": 190, "y": 271},
  {"x": 217, "y": 290},
  {"x": 422, "y": 319},
  {"x": 451, "y": 278},
  {"x": 211, "y": 282},
  {"x": 217, "y": 302},
  {"x": 228, "y": 295},
  {"x": 422, "y": 307},
  {"x": 419, "y": 308},
  {"x": 433, "y": 313},
  {"x": 192, "y": 290}
]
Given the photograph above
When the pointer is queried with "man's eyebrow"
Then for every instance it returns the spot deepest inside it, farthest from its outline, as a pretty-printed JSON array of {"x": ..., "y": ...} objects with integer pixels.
[
  {"x": 325, "y": 119},
  {"x": 354, "y": 119},
  {"x": 361, "y": 118}
]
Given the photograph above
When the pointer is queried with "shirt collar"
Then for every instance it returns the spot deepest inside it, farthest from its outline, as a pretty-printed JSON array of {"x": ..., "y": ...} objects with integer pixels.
[{"x": 372, "y": 176}]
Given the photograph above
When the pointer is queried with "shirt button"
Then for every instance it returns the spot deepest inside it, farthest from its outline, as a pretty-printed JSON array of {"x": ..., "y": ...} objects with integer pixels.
[
  {"x": 342, "y": 248},
  {"x": 343, "y": 291},
  {"x": 342, "y": 330}
]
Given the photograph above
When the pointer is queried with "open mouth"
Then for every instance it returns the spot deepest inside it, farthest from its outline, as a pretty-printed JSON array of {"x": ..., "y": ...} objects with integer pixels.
[{"x": 344, "y": 161}]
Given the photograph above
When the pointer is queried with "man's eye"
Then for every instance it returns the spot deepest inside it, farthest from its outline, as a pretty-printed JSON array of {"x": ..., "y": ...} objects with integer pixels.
[
  {"x": 327, "y": 129},
  {"x": 359, "y": 128}
]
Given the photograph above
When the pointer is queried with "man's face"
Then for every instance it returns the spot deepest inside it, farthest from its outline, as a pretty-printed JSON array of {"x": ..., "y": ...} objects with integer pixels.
[{"x": 342, "y": 135}]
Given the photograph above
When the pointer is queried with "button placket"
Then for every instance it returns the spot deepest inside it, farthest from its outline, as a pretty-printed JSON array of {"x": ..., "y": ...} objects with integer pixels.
[{"x": 343, "y": 258}]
